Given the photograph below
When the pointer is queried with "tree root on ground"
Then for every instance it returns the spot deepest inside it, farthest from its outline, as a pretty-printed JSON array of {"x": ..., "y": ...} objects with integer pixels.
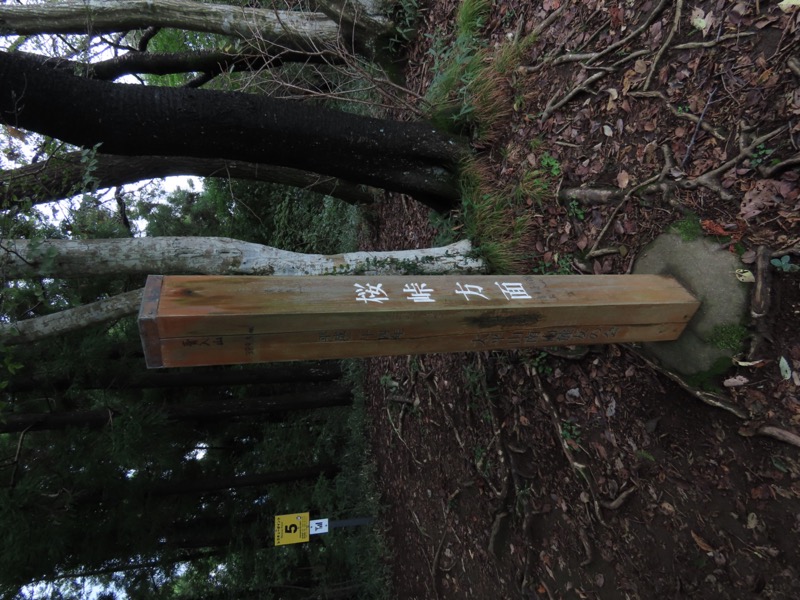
[
  {"x": 714, "y": 42},
  {"x": 587, "y": 547},
  {"x": 399, "y": 435},
  {"x": 718, "y": 401},
  {"x": 777, "y": 169},
  {"x": 537, "y": 31},
  {"x": 594, "y": 252},
  {"x": 581, "y": 470},
  {"x": 659, "y": 183},
  {"x": 710, "y": 179},
  {"x": 705, "y": 126},
  {"x": 588, "y": 58},
  {"x": 675, "y": 22},
  {"x": 779, "y": 434},
  {"x": 709, "y": 398}
]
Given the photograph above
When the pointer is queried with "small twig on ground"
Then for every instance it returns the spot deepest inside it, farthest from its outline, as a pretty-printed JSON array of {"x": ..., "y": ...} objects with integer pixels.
[
  {"x": 779, "y": 434},
  {"x": 554, "y": 104},
  {"x": 603, "y": 252},
  {"x": 536, "y": 32},
  {"x": 580, "y": 469},
  {"x": 697, "y": 126},
  {"x": 712, "y": 43},
  {"x": 619, "y": 500},
  {"x": 587, "y": 547},
  {"x": 633, "y": 34},
  {"x": 549, "y": 20},
  {"x": 399, "y": 399},
  {"x": 593, "y": 253},
  {"x": 682, "y": 115},
  {"x": 15, "y": 460},
  {"x": 400, "y": 437},
  {"x": 438, "y": 553},
  {"x": 655, "y": 179},
  {"x": 665, "y": 45},
  {"x": 624, "y": 59},
  {"x": 794, "y": 65},
  {"x": 452, "y": 425},
  {"x": 759, "y": 304},
  {"x": 418, "y": 524}
]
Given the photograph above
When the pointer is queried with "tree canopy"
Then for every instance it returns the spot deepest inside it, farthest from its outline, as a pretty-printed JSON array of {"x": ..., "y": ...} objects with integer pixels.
[{"x": 165, "y": 485}]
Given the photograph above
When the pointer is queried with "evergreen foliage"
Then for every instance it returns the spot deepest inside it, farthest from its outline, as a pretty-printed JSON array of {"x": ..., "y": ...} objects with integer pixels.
[{"x": 145, "y": 505}]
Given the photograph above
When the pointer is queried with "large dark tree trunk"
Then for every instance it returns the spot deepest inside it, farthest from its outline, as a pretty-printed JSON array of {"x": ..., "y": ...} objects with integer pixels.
[
  {"x": 89, "y": 498},
  {"x": 300, "y": 372},
  {"x": 217, "y": 411},
  {"x": 134, "y": 120},
  {"x": 67, "y": 175}
]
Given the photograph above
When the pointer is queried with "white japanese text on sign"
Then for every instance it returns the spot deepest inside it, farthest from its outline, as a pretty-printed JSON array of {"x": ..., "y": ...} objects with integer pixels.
[{"x": 420, "y": 292}]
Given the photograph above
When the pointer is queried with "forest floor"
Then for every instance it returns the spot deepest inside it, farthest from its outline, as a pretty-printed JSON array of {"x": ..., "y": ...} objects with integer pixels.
[{"x": 522, "y": 474}]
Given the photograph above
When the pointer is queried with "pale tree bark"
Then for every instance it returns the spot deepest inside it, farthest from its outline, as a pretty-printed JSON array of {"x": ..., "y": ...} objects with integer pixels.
[
  {"x": 73, "y": 319},
  {"x": 358, "y": 19},
  {"x": 180, "y": 255},
  {"x": 215, "y": 256},
  {"x": 294, "y": 29},
  {"x": 64, "y": 176}
]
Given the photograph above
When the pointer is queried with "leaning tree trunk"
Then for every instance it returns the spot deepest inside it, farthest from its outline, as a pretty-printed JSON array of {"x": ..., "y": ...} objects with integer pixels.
[
  {"x": 295, "y": 29},
  {"x": 65, "y": 176},
  {"x": 71, "y": 319},
  {"x": 181, "y": 255},
  {"x": 135, "y": 120},
  {"x": 215, "y": 256}
]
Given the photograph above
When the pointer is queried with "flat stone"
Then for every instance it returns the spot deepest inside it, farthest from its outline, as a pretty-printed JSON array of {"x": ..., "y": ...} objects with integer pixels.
[{"x": 709, "y": 274}]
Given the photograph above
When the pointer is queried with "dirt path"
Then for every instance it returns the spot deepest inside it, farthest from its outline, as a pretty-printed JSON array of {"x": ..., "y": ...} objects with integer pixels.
[{"x": 529, "y": 475}]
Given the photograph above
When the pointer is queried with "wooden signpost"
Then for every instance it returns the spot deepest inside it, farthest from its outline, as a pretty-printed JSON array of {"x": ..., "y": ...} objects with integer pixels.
[{"x": 210, "y": 320}]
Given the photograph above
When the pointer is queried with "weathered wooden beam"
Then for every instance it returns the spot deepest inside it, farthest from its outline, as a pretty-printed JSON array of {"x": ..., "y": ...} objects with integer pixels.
[{"x": 210, "y": 320}]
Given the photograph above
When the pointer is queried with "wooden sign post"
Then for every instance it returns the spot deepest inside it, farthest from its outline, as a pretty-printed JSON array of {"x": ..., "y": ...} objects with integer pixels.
[{"x": 209, "y": 320}]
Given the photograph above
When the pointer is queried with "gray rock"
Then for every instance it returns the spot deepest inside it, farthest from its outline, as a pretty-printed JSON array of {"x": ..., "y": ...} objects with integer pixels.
[{"x": 709, "y": 274}]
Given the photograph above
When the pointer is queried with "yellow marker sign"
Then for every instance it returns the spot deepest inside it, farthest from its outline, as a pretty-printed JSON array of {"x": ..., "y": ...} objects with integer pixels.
[{"x": 291, "y": 529}]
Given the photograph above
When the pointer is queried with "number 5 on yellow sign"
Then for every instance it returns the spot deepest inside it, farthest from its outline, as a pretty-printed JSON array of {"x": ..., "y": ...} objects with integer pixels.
[{"x": 291, "y": 529}]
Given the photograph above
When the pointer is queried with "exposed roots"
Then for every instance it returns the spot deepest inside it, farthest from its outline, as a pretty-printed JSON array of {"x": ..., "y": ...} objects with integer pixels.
[
  {"x": 709, "y": 398},
  {"x": 587, "y": 59},
  {"x": 581, "y": 470},
  {"x": 708, "y": 128},
  {"x": 665, "y": 45},
  {"x": 779, "y": 434},
  {"x": 710, "y": 179}
]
